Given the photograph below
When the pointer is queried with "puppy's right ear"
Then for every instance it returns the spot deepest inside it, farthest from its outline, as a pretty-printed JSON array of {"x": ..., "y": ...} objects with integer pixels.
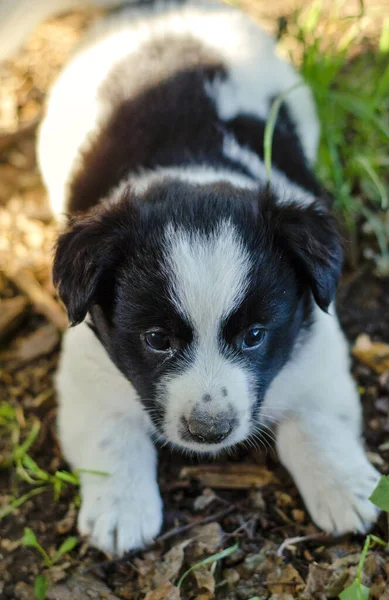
[{"x": 86, "y": 254}]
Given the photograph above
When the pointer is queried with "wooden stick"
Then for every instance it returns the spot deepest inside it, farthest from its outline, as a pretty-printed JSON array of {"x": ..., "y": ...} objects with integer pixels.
[{"x": 43, "y": 303}]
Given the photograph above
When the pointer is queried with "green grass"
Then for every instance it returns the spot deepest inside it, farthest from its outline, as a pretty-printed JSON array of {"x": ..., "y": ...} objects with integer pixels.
[
  {"x": 349, "y": 76},
  {"x": 42, "y": 582}
]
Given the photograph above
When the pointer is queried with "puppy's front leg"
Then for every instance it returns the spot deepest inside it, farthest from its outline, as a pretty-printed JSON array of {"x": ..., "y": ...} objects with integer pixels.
[
  {"x": 331, "y": 471},
  {"x": 319, "y": 437},
  {"x": 123, "y": 510},
  {"x": 104, "y": 428}
]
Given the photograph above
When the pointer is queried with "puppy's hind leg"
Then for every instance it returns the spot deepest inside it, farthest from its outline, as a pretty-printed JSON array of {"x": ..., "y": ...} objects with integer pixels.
[
  {"x": 103, "y": 427},
  {"x": 320, "y": 441}
]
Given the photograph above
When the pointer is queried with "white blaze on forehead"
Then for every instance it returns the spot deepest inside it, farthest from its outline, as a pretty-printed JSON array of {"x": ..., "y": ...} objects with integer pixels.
[{"x": 209, "y": 274}]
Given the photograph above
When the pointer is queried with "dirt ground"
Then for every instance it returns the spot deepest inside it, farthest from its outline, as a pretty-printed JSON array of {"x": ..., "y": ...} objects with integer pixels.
[{"x": 248, "y": 499}]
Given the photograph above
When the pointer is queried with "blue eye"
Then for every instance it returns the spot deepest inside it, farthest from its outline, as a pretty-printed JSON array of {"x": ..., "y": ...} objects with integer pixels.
[{"x": 253, "y": 337}]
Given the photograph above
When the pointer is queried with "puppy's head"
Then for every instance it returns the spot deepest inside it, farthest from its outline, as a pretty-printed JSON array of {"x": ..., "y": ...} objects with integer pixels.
[{"x": 198, "y": 294}]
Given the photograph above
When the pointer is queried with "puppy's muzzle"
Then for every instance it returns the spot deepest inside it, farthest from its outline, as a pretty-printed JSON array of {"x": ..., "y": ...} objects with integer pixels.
[{"x": 204, "y": 428}]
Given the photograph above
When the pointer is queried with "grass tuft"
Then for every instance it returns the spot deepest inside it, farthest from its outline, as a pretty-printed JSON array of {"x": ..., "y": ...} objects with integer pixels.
[{"x": 348, "y": 73}]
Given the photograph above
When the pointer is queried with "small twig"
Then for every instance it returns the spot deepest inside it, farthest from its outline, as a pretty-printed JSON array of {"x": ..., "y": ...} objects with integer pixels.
[
  {"x": 183, "y": 528},
  {"x": 242, "y": 527},
  {"x": 42, "y": 301},
  {"x": 298, "y": 540}
]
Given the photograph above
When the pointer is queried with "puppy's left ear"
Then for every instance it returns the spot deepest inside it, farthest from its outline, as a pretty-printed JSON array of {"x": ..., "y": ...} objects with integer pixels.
[{"x": 310, "y": 236}]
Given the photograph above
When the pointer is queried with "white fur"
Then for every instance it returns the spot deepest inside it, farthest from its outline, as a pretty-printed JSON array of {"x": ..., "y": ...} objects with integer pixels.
[
  {"x": 103, "y": 427},
  {"x": 196, "y": 174},
  {"x": 316, "y": 402},
  {"x": 209, "y": 277}
]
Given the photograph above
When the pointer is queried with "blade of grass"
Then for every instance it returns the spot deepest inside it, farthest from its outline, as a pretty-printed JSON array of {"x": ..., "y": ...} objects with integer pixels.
[
  {"x": 361, "y": 110},
  {"x": 270, "y": 126},
  {"x": 14, "y": 504},
  {"x": 376, "y": 181},
  {"x": 66, "y": 546},
  {"x": 207, "y": 561},
  {"x": 29, "y": 539}
]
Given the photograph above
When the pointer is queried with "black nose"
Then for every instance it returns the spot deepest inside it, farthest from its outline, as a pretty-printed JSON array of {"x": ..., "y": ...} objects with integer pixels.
[{"x": 210, "y": 430}]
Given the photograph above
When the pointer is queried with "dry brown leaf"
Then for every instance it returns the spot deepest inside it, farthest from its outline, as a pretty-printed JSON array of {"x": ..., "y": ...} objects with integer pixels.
[
  {"x": 230, "y": 476},
  {"x": 205, "y": 582},
  {"x": 166, "y": 591},
  {"x": 39, "y": 343},
  {"x": 209, "y": 537},
  {"x": 80, "y": 587},
  {"x": 169, "y": 567},
  {"x": 288, "y": 581},
  {"x": 373, "y": 354},
  {"x": 206, "y": 498}
]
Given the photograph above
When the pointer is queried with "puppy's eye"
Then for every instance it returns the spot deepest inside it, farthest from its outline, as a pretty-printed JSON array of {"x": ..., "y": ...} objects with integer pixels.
[
  {"x": 253, "y": 337},
  {"x": 158, "y": 341}
]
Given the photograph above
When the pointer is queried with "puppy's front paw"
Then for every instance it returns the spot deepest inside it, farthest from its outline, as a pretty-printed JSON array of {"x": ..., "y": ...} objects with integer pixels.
[
  {"x": 343, "y": 505},
  {"x": 118, "y": 517}
]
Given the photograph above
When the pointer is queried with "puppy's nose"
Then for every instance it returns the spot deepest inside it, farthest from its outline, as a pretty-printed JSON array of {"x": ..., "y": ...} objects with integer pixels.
[{"x": 210, "y": 430}]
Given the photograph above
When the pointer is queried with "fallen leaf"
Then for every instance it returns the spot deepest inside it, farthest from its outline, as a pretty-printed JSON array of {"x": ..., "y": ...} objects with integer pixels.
[
  {"x": 39, "y": 343},
  {"x": 166, "y": 591},
  {"x": 288, "y": 580},
  {"x": 80, "y": 587},
  {"x": 230, "y": 476},
  {"x": 209, "y": 537},
  {"x": 206, "y": 498},
  {"x": 373, "y": 354},
  {"x": 317, "y": 581},
  {"x": 169, "y": 567},
  {"x": 205, "y": 581}
]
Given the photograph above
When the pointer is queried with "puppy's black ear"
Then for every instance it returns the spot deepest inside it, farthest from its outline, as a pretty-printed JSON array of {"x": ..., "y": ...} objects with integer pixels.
[
  {"x": 310, "y": 236},
  {"x": 86, "y": 256}
]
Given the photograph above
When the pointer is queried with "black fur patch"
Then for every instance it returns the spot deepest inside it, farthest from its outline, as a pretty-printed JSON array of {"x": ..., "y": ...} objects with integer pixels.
[{"x": 162, "y": 117}]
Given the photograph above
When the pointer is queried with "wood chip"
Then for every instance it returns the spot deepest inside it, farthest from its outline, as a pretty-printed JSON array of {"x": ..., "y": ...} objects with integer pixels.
[
  {"x": 373, "y": 354},
  {"x": 230, "y": 476}
]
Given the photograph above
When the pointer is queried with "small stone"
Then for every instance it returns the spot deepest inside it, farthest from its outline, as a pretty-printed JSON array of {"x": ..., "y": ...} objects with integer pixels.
[
  {"x": 298, "y": 515},
  {"x": 23, "y": 591}
]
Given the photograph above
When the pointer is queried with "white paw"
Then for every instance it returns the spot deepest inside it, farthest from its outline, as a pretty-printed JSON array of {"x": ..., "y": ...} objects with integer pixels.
[
  {"x": 118, "y": 517},
  {"x": 343, "y": 505}
]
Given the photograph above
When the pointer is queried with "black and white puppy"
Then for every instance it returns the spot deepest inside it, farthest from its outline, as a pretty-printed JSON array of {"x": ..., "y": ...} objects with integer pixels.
[{"x": 201, "y": 297}]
